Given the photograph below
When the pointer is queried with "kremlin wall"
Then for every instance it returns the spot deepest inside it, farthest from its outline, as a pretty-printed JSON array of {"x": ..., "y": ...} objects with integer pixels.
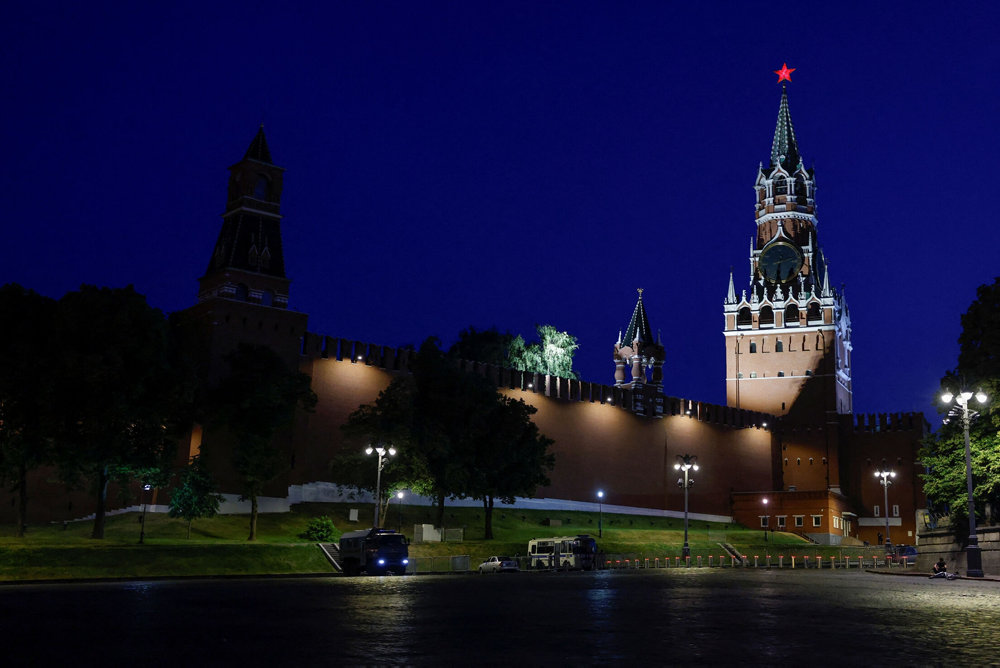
[{"x": 786, "y": 453}]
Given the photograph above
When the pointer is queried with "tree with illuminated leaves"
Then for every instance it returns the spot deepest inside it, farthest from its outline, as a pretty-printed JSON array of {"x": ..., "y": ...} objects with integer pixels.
[{"x": 552, "y": 354}]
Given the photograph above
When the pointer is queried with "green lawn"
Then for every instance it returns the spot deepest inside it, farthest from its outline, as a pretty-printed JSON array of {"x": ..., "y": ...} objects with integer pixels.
[{"x": 218, "y": 546}]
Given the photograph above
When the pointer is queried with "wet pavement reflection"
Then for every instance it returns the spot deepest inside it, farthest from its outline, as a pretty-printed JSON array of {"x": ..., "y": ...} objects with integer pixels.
[{"x": 680, "y": 617}]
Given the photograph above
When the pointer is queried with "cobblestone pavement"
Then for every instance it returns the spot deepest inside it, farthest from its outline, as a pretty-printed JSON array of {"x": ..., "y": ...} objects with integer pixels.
[{"x": 676, "y": 617}]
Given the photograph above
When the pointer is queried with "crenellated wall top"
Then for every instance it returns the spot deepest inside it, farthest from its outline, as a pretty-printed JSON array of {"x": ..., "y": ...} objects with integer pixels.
[{"x": 397, "y": 360}]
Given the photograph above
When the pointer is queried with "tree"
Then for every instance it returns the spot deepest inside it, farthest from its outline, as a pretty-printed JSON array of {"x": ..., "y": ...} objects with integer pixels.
[
  {"x": 943, "y": 453},
  {"x": 117, "y": 393},
  {"x": 195, "y": 496},
  {"x": 256, "y": 399},
  {"x": 454, "y": 435},
  {"x": 489, "y": 346},
  {"x": 552, "y": 355},
  {"x": 26, "y": 389},
  {"x": 509, "y": 458}
]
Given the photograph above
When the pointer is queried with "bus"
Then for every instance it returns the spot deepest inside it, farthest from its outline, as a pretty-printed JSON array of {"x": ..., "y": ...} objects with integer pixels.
[{"x": 566, "y": 552}]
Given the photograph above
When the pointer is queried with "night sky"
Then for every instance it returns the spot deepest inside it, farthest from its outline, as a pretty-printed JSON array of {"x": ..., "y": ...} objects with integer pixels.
[{"x": 472, "y": 163}]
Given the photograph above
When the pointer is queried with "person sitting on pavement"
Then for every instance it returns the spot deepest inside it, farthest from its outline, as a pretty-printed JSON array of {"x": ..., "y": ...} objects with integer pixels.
[{"x": 940, "y": 566}]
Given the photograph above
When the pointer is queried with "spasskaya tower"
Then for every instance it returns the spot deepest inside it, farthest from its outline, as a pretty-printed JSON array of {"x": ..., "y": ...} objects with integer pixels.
[{"x": 788, "y": 333}]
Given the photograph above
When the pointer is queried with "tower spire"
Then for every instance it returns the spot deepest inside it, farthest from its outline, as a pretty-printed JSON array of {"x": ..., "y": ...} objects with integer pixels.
[
  {"x": 731, "y": 295},
  {"x": 258, "y": 148},
  {"x": 784, "y": 148}
]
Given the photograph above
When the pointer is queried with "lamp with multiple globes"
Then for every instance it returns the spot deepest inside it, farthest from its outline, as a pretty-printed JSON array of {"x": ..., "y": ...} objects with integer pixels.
[
  {"x": 973, "y": 555},
  {"x": 686, "y": 463},
  {"x": 382, "y": 452},
  {"x": 885, "y": 478}
]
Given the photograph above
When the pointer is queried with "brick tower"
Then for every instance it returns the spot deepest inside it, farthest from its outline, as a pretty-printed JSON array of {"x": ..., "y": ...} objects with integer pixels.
[
  {"x": 243, "y": 295},
  {"x": 644, "y": 357},
  {"x": 788, "y": 335}
]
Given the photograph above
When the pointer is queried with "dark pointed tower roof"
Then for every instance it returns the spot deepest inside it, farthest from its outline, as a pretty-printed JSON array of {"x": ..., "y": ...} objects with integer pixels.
[
  {"x": 258, "y": 148},
  {"x": 784, "y": 148},
  {"x": 638, "y": 327}
]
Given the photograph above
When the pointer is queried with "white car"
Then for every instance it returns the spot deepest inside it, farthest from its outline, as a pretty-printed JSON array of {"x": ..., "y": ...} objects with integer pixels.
[{"x": 499, "y": 565}]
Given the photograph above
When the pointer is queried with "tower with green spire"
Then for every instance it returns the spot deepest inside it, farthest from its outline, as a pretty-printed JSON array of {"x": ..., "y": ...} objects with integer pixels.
[
  {"x": 788, "y": 333},
  {"x": 643, "y": 356}
]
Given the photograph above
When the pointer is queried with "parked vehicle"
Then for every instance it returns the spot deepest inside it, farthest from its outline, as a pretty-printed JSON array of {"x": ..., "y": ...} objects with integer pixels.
[
  {"x": 908, "y": 552},
  {"x": 374, "y": 551},
  {"x": 566, "y": 552},
  {"x": 499, "y": 565}
]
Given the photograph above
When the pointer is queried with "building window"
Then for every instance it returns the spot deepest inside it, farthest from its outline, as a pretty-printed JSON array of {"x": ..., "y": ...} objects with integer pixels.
[
  {"x": 800, "y": 520},
  {"x": 836, "y": 522},
  {"x": 763, "y": 521},
  {"x": 753, "y": 374},
  {"x": 876, "y": 511},
  {"x": 744, "y": 319},
  {"x": 791, "y": 316},
  {"x": 779, "y": 347},
  {"x": 781, "y": 374},
  {"x": 895, "y": 510},
  {"x": 781, "y": 521},
  {"x": 753, "y": 347},
  {"x": 808, "y": 372},
  {"x": 817, "y": 520},
  {"x": 739, "y": 375}
]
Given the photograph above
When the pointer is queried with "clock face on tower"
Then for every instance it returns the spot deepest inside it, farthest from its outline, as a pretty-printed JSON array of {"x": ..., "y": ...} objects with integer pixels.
[{"x": 780, "y": 262}]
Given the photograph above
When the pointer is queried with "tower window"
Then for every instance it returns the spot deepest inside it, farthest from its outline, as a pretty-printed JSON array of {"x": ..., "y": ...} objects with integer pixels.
[
  {"x": 781, "y": 374},
  {"x": 744, "y": 319},
  {"x": 753, "y": 346},
  {"x": 242, "y": 292},
  {"x": 813, "y": 313},
  {"x": 791, "y": 315},
  {"x": 766, "y": 317},
  {"x": 261, "y": 188},
  {"x": 779, "y": 347},
  {"x": 781, "y": 186}
]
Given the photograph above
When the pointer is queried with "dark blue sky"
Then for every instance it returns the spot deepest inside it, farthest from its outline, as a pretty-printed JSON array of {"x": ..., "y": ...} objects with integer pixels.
[{"x": 506, "y": 164}]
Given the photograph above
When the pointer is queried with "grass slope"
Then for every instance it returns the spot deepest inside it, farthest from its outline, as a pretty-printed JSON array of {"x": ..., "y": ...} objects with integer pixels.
[{"x": 218, "y": 546}]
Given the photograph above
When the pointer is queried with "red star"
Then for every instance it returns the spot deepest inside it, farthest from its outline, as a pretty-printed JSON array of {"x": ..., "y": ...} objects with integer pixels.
[{"x": 784, "y": 74}]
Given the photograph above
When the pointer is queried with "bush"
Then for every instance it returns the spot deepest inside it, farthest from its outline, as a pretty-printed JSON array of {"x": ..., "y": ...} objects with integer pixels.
[{"x": 321, "y": 530}]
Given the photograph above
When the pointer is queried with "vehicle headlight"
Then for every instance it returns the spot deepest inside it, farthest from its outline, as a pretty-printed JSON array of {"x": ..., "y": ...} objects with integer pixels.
[
  {"x": 406, "y": 561},
  {"x": 381, "y": 562}
]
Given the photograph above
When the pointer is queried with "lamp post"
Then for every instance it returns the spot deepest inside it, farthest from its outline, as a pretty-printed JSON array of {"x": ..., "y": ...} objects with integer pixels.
[
  {"x": 399, "y": 512},
  {"x": 686, "y": 463},
  {"x": 973, "y": 556},
  {"x": 600, "y": 513},
  {"x": 885, "y": 478},
  {"x": 382, "y": 454},
  {"x": 142, "y": 528},
  {"x": 767, "y": 520}
]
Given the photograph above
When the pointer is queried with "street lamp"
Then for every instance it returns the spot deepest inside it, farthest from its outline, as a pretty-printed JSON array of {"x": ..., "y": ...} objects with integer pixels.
[
  {"x": 600, "y": 513},
  {"x": 767, "y": 520},
  {"x": 382, "y": 454},
  {"x": 399, "y": 512},
  {"x": 686, "y": 463},
  {"x": 973, "y": 556},
  {"x": 142, "y": 529},
  {"x": 885, "y": 478}
]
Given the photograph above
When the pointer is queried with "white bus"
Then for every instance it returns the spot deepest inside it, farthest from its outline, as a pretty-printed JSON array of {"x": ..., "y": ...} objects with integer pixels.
[{"x": 578, "y": 552}]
